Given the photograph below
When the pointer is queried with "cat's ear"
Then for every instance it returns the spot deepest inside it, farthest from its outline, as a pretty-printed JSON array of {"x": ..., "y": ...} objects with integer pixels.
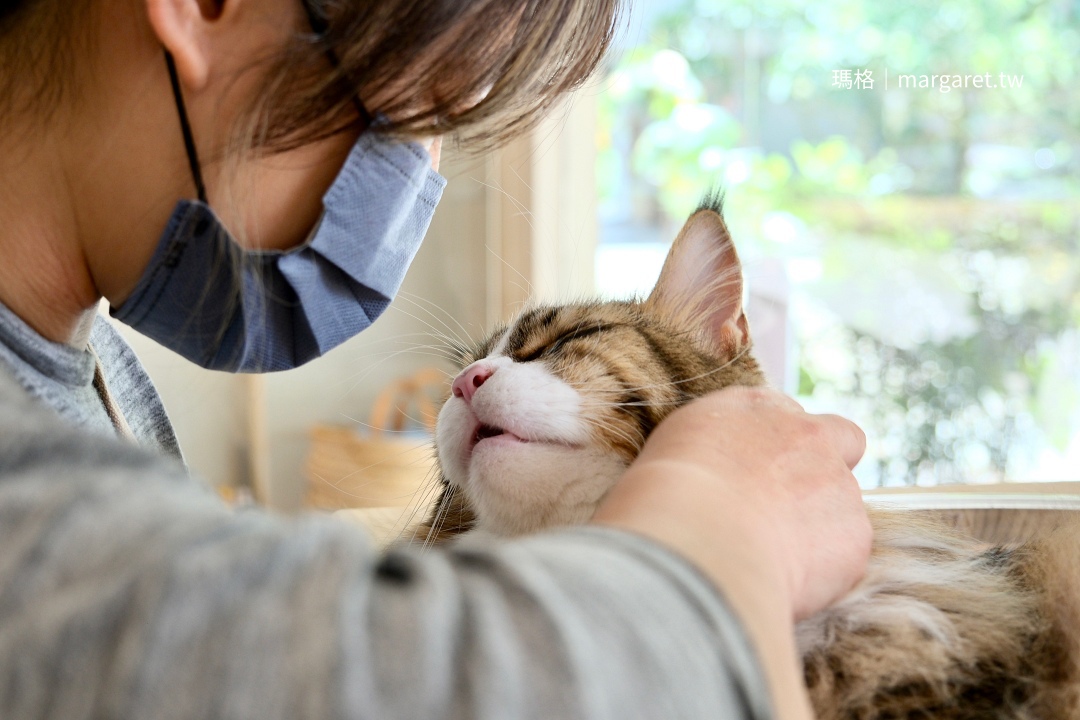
[{"x": 701, "y": 285}]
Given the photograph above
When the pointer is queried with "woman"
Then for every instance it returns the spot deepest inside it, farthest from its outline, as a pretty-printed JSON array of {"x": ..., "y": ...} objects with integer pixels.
[{"x": 128, "y": 591}]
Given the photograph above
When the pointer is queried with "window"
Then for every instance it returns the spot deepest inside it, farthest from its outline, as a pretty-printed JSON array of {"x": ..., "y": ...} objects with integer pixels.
[{"x": 902, "y": 183}]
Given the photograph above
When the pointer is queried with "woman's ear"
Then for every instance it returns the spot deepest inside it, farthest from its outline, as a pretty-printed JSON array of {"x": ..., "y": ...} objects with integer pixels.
[{"x": 183, "y": 27}]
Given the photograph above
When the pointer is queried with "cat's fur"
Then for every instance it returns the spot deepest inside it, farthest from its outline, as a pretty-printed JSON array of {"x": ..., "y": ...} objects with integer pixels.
[{"x": 942, "y": 627}]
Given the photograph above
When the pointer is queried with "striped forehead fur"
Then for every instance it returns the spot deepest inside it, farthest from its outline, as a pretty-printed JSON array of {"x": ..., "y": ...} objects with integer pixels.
[{"x": 633, "y": 365}]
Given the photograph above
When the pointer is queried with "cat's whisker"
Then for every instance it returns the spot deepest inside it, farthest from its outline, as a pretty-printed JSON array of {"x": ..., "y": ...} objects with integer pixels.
[
  {"x": 671, "y": 383},
  {"x": 336, "y": 484},
  {"x": 421, "y": 304},
  {"x": 440, "y": 517},
  {"x": 382, "y": 354},
  {"x": 371, "y": 369},
  {"x": 603, "y": 424},
  {"x": 527, "y": 288},
  {"x": 363, "y": 374},
  {"x": 432, "y": 340},
  {"x": 523, "y": 211},
  {"x": 387, "y": 431},
  {"x": 604, "y": 405},
  {"x": 430, "y": 350},
  {"x": 435, "y": 331},
  {"x": 463, "y": 340},
  {"x": 421, "y": 501},
  {"x": 438, "y": 351},
  {"x": 426, "y": 501},
  {"x": 437, "y": 524}
]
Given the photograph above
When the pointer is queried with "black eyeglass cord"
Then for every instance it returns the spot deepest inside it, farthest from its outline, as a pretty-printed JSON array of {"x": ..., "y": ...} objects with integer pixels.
[
  {"x": 185, "y": 127},
  {"x": 320, "y": 25}
]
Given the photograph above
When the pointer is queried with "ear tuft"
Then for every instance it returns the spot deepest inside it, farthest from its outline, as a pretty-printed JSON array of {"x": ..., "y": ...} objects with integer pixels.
[
  {"x": 713, "y": 201},
  {"x": 701, "y": 285}
]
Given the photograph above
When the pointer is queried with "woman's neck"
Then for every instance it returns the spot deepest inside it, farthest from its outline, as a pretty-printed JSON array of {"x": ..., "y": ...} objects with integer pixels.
[
  {"x": 44, "y": 277},
  {"x": 86, "y": 189}
]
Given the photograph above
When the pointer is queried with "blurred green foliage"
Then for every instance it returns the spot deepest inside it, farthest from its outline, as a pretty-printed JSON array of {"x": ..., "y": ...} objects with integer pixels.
[{"x": 941, "y": 229}]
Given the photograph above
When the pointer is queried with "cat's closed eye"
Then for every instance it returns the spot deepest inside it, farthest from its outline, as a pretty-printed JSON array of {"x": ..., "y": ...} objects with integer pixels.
[
  {"x": 576, "y": 333},
  {"x": 581, "y": 333}
]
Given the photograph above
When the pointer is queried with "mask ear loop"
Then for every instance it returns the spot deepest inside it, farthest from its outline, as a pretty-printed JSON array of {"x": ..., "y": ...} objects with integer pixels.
[{"x": 185, "y": 127}]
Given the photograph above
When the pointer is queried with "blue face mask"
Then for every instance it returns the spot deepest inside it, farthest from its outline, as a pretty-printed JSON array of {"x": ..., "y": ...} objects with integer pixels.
[{"x": 227, "y": 308}]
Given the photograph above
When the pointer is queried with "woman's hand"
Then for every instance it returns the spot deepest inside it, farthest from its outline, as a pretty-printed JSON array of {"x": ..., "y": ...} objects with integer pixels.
[
  {"x": 759, "y": 495},
  {"x": 749, "y": 464}
]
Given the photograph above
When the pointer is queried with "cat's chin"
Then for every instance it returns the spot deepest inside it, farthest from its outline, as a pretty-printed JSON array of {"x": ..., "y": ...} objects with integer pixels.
[{"x": 516, "y": 486}]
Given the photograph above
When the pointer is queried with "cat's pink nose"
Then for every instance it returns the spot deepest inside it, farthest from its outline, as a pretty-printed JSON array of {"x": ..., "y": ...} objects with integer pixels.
[{"x": 469, "y": 381}]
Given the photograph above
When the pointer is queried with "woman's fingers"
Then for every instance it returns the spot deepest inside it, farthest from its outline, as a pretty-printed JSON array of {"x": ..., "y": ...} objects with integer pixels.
[
  {"x": 750, "y": 466},
  {"x": 844, "y": 435}
]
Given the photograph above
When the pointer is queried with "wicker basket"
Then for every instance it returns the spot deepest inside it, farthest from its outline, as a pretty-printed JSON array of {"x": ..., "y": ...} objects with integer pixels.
[{"x": 383, "y": 466}]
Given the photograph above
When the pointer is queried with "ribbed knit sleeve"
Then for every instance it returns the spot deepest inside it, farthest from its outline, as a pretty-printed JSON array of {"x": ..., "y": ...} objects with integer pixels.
[{"x": 127, "y": 590}]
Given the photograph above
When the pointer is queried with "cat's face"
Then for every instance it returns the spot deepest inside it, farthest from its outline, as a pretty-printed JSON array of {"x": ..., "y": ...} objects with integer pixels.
[{"x": 547, "y": 413}]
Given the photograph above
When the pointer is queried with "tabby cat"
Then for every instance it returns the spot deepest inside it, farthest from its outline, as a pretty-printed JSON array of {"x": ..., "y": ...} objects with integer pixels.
[{"x": 547, "y": 413}]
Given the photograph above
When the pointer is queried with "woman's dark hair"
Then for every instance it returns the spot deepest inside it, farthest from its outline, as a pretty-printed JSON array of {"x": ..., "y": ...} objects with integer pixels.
[{"x": 518, "y": 55}]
